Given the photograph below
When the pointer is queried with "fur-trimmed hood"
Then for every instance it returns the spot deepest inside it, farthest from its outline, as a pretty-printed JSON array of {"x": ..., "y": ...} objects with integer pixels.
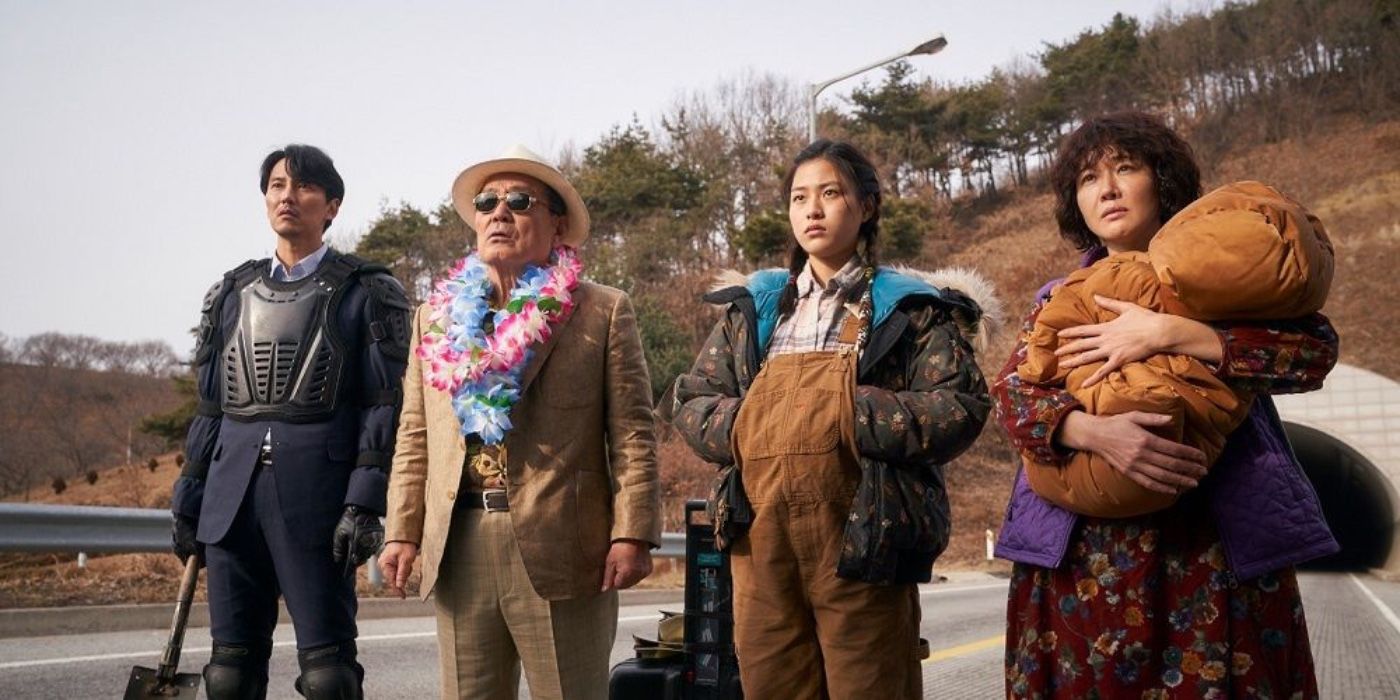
[{"x": 977, "y": 308}]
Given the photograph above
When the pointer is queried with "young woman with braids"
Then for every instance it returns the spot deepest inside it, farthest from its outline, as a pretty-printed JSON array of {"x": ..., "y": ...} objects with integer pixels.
[{"x": 831, "y": 393}]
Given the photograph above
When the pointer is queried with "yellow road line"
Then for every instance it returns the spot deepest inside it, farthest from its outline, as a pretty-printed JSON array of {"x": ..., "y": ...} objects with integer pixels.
[{"x": 965, "y": 649}]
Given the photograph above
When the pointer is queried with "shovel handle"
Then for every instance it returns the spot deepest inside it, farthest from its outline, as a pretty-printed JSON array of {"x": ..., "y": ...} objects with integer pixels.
[{"x": 170, "y": 660}]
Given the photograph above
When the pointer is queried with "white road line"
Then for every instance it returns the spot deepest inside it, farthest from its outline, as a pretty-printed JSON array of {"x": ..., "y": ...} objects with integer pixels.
[
  {"x": 188, "y": 651},
  {"x": 1386, "y": 612},
  {"x": 379, "y": 637},
  {"x": 977, "y": 587},
  {"x": 155, "y": 655}
]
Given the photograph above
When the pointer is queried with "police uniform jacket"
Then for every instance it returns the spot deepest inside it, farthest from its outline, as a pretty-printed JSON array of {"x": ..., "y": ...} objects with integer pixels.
[{"x": 323, "y": 465}]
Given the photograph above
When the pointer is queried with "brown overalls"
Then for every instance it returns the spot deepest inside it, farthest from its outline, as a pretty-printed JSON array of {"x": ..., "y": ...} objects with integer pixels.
[{"x": 800, "y": 631}]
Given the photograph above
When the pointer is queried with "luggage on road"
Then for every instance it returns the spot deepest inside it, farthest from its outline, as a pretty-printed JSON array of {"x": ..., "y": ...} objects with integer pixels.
[{"x": 701, "y": 664}]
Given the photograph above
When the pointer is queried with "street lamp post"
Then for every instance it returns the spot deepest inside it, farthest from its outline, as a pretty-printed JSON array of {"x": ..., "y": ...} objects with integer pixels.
[{"x": 930, "y": 47}]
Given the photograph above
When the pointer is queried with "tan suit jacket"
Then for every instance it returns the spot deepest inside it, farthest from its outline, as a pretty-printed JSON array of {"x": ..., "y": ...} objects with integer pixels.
[{"x": 581, "y": 463}]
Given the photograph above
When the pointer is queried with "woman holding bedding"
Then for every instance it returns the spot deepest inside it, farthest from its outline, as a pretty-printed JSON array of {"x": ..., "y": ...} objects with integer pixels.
[{"x": 1194, "y": 595}]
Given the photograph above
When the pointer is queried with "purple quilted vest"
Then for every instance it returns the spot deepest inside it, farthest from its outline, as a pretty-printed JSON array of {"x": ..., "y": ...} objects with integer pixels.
[{"x": 1265, "y": 508}]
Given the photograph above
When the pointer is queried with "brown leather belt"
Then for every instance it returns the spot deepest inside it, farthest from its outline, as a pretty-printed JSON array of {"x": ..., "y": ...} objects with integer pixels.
[{"x": 489, "y": 501}]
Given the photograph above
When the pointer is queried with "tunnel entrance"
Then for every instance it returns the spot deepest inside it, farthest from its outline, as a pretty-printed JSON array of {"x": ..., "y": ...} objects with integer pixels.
[{"x": 1356, "y": 499}]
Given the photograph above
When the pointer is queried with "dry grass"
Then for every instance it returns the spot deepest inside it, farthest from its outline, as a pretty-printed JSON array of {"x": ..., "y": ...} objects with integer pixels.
[
  {"x": 684, "y": 477},
  {"x": 134, "y": 486},
  {"x": 1349, "y": 178},
  {"x": 55, "y": 580}
]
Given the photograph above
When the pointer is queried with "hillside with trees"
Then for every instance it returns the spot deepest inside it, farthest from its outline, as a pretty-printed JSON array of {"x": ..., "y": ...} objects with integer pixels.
[
  {"x": 75, "y": 405},
  {"x": 1302, "y": 94},
  {"x": 697, "y": 192}
]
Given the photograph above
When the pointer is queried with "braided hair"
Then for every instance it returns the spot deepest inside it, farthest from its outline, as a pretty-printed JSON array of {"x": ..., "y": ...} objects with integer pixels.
[{"x": 859, "y": 176}]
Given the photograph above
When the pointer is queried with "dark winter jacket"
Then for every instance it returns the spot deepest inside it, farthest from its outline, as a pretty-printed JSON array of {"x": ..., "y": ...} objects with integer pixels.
[{"x": 920, "y": 401}]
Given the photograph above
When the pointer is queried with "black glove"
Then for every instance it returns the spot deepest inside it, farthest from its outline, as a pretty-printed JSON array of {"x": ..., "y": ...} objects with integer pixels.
[
  {"x": 182, "y": 534},
  {"x": 358, "y": 536}
]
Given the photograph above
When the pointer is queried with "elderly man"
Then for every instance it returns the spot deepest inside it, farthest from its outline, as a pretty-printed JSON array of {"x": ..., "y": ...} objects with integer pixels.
[
  {"x": 525, "y": 474},
  {"x": 299, "y": 362}
]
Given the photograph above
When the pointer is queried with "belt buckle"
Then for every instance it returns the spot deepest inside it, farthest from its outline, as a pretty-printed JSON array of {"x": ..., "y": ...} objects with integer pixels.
[{"x": 494, "y": 501}]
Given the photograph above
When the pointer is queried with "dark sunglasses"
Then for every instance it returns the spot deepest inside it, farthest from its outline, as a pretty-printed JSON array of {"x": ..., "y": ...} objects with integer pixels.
[{"x": 486, "y": 202}]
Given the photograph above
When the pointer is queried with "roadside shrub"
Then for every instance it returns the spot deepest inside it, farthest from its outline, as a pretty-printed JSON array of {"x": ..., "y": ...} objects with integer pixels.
[
  {"x": 59, "y": 485},
  {"x": 92, "y": 476}
]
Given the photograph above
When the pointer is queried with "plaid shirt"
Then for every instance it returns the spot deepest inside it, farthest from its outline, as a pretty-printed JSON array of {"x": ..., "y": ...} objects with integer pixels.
[{"x": 815, "y": 323}]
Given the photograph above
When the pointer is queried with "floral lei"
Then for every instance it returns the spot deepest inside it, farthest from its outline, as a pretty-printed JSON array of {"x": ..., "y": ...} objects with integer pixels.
[{"x": 482, "y": 372}]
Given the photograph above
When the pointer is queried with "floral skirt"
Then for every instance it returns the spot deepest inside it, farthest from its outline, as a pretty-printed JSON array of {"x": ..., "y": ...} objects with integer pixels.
[{"x": 1145, "y": 608}]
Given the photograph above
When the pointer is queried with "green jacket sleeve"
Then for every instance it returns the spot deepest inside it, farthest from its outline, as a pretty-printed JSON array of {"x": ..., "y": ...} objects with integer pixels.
[
  {"x": 936, "y": 408},
  {"x": 707, "y": 397}
]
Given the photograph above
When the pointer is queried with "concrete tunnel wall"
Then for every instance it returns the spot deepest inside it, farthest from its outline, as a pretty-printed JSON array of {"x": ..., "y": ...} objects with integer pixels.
[{"x": 1347, "y": 437}]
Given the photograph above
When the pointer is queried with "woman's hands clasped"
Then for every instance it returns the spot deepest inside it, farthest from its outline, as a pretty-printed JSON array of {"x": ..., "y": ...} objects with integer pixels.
[
  {"x": 1134, "y": 336},
  {"x": 1125, "y": 442}
]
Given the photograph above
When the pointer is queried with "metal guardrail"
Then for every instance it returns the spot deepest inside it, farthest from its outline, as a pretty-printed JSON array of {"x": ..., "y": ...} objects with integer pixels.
[
  {"x": 672, "y": 545},
  {"x": 27, "y": 527}
]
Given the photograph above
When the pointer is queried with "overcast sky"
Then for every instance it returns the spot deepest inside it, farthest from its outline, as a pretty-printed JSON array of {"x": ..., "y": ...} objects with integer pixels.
[{"x": 131, "y": 131}]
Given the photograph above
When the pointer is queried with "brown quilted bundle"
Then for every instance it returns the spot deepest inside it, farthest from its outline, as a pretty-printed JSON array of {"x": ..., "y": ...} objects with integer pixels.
[{"x": 1244, "y": 251}]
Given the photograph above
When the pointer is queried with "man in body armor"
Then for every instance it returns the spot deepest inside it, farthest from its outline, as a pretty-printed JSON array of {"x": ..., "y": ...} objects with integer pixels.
[{"x": 299, "y": 365}]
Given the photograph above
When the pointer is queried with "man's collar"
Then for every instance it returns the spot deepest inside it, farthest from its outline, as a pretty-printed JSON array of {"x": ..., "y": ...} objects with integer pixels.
[{"x": 302, "y": 268}]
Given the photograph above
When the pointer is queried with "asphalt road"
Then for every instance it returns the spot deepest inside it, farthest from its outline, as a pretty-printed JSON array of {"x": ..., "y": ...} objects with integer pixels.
[{"x": 1354, "y": 621}]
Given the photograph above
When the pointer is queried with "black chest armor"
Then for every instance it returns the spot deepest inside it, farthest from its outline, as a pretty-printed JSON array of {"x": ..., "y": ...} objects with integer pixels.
[{"x": 285, "y": 359}]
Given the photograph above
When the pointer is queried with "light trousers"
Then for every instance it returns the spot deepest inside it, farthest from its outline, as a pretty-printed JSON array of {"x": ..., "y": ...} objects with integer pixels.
[{"x": 491, "y": 622}]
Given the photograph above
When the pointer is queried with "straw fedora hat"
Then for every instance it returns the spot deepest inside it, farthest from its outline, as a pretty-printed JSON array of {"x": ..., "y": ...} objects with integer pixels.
[{"x": 521, "y": 161}]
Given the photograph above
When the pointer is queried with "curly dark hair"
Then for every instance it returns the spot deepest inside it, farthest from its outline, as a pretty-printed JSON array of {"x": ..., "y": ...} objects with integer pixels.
[{"x": 1137, "y": 135}]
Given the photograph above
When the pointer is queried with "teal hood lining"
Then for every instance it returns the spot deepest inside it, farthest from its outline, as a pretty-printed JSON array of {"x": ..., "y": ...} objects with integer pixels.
[{"x": 890, "y": 289}]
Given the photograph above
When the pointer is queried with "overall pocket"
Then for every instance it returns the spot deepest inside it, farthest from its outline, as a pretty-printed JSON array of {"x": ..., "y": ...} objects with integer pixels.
[{"x": 789, "y": 421}]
